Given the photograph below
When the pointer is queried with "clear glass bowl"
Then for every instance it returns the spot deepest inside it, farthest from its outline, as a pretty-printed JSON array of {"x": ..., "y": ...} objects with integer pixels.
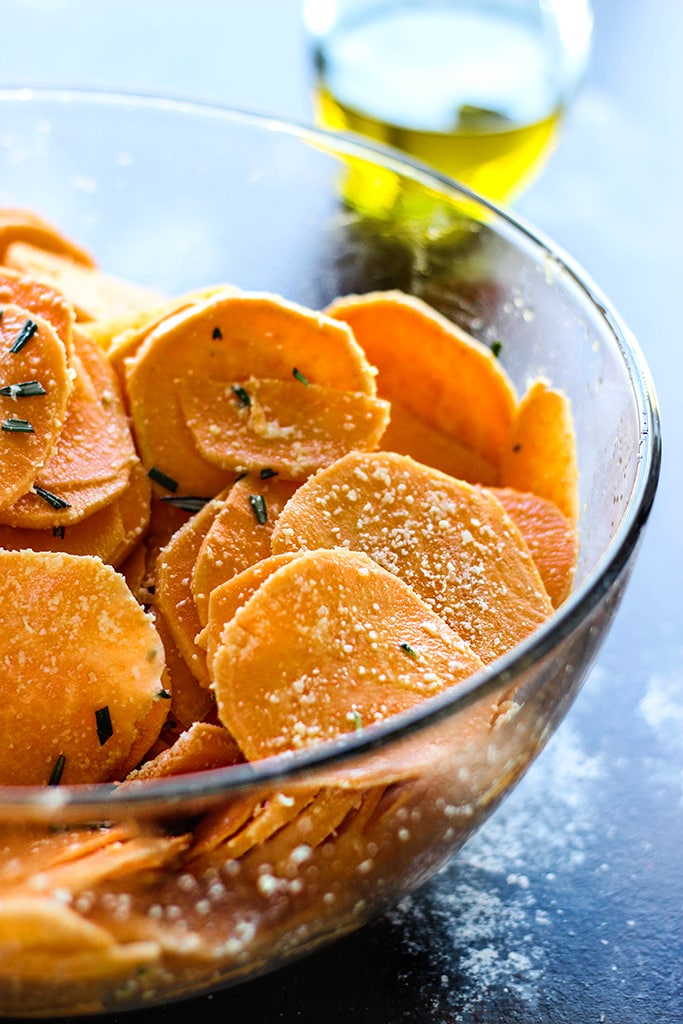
[{"x": 177, "y": 196}]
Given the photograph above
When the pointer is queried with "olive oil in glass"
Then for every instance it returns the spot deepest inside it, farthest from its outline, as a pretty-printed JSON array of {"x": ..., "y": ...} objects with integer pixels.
[{"x": 475, "y": 89}]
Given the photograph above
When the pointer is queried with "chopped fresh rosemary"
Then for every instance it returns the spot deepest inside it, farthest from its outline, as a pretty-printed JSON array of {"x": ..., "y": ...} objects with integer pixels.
[
  {"x": 105, "y": 730},
  {"x": 50, "y": 498},
  {"x": 58, "y": 531},
  {"x": 27, "y": 389},
  {"x": 258, "y": 504},
  {"x": 25, "y": 334},
  {"x": 17, "y": 426},
  {"x": 57, "y": 771},
  {"x": 354, "y": 716},
  {"x": 300, "y": 377},
  {"x": 267, "y": 472},
  {"x": 164, "y": 694},
  {"x": 186, "y": 502},
  {"x": 217, "y": 333},
  {"x": 496, "y": 348},
  {"x": 410, "y": 651},
  {"x": 163, "y": 479},
  {"x": 242, "y": 396}
]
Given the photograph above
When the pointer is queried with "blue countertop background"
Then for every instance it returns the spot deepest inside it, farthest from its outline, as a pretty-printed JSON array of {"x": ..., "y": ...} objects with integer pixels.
[{"x": 567, "y": 907}]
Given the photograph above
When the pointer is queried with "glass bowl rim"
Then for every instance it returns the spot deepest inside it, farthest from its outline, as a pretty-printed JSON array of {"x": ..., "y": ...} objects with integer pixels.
[{"x": 216, "y": 782}]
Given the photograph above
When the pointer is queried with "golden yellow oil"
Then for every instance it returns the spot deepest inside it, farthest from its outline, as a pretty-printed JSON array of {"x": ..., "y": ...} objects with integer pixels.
[
  {"x": 495, "y": 160},
  {"x": 468, "y": 88}
]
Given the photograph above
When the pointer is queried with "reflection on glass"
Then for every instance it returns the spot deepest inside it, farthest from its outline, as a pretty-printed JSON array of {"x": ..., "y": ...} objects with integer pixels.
[{"x": 475, "y": 88}]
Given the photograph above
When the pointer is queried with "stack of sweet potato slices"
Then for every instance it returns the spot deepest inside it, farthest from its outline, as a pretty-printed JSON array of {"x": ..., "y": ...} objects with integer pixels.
[
  {"x": 67, "y": 452},
  {"x": 83, "y": 690},
  {"x": 313, "y": 521},
  {"x": 237, "y": 455}
]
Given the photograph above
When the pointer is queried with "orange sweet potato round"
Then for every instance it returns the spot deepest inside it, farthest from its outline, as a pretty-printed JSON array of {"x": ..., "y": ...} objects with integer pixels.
[
  {"x": 110, "y": 533},
  {"x": 328, "y": 643},
  {"x": 291, "y": 427},
  {"x": 440, "y": 375},
  {"x": 31, "y": 354},
  {"x": 82, "y": 671},
  {"x": 452, "y": 542},
  {"x": 39, "y": 298},
  {"x": 239, "y": 535},
  {"x": 551, "y": 536},
  {"x": 230, "y": 339},
  {"x": 541, "y": 454},
  {"x": 19, "y": 225}
]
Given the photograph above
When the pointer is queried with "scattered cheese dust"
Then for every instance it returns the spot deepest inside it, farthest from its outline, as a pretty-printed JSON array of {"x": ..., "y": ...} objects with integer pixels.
[
  {"x": 343, "y": 625},
  {"x": 453, "y": 544},
  {"x": 482, "y": 911}
]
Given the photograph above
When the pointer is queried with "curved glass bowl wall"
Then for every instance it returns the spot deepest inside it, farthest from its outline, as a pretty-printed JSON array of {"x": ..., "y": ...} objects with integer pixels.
[{"x": 177, "y": 196}]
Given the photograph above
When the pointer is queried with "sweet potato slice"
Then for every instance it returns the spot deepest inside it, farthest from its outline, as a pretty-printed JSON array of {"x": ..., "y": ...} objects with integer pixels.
[
  {"x": 127, "y": 853},
  {"x": 220, "y": 825},
  {"x": 98, "y": 535},
  {"x": 95, "y": 444},
  {"x": 28, "y": 856},
  {"x": 47, "y": 876},
  {"x": 92, "y": 457},
  {"x": 551, "y": 538},
  {"x": 33, "y": 359},
  {"x": 230, "y": 338},
  {"x": 344, "y": 818},
  {"x": 82, "y": 671},
  {"x": 43, "y": 509},
  {"x": 31, "y": 923},
  {"x": 239, "y": 534},
  {"x": 248, "y": 823},
  {"x": 106, "y": 385},
  {"x": 190, "y": 701},
  {"x": 173, "y": 595},
  {"x": 541, "y": 454},
  {"x": 409, "y": 434},
  {"x": 110, "y": 534},
  {"x": 315, "y": 823},
  {"x": 328, "y": 643},
  {"x": 134, "y": 509},
  {"x": 17, "y": 225},
  {"x": 166, "y": 518},
  {"x": 80, "y": 966},
  {"x": 139, "y": 567},
  {"x": 39, "y": 298},
  {"x": 225, "y": 599},
  {"x": 133, "y": 568},
  {"x": 275, "y": 812},
  {"x": 122, "y": 337},
  {"x": 267, "y": 337},
  {"x": 93, "y": 294},
  {"x": 293, "y": 428},
  {"x": 451, "y": 541},
  {"x": 201, "y": 747},
  {"x": 437, "y": 371}
]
